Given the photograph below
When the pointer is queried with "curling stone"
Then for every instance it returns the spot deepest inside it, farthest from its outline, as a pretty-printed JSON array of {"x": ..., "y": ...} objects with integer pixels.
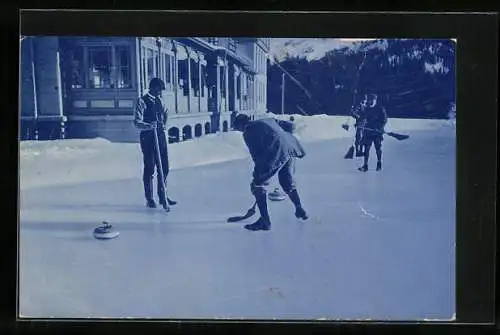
[
  {"x": 105, "y": 232},
  {"x": 276, "y": 195}
]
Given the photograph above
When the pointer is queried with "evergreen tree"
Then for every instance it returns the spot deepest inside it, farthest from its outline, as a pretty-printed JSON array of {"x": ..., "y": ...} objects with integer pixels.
[{"x": 415, "y": 78}]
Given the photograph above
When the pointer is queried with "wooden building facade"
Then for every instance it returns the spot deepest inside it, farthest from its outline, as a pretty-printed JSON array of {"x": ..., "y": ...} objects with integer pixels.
[{"x": 86, "y": 87}]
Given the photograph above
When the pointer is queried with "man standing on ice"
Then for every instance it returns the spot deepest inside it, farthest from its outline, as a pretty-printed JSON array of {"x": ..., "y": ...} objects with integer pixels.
[
  {"x": 151, "y": 113},
  {"x": 358, "y": 115},
  {"x": 374, "y": 121},
  {"x": 274, "y": 151}
]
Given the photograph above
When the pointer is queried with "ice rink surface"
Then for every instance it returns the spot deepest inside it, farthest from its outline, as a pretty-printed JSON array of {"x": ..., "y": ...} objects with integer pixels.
[{"x": 378, "y": 245}]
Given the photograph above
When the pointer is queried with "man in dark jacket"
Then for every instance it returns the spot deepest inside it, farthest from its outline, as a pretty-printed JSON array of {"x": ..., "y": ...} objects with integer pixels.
[
  {"x": 358, "y": 115},
  {"x": 374, "y": 119},
  {"x": 151, "y": 113},
  {"x": 273, "y": 151}
]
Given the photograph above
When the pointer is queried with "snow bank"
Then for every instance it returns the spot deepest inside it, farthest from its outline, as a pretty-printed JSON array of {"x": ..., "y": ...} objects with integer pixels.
[
  {"x": 324, "y": 127},
  {"x": 72, "y": 161},
  {"x": 61, "y": 149}
]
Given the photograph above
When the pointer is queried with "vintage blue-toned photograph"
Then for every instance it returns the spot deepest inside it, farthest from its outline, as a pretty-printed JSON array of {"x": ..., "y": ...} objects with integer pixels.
[{"x": 236, "y": 178}]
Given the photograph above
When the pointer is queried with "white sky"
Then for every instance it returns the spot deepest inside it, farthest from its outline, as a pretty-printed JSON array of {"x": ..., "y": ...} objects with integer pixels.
[{"x": 312, "y": 48}]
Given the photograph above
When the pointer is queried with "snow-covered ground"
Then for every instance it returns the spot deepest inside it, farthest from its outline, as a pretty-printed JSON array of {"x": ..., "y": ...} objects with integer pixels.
[{"x": 377, "y": 246}]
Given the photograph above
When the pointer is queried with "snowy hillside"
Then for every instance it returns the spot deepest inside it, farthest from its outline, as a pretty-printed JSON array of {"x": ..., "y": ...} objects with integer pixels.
[
  {"x": 66, "y": 161},
  {"x": 317, "y": 48},
  {"x": 414, "y": 78},
  {"x": 309, "y": 48}
]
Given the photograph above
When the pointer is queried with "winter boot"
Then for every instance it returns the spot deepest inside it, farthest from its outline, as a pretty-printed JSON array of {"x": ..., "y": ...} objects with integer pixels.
[
  {"x": 162, "y": 192},
  {"x": 379, "y": 165},
  {"x": 164, "y": 203},
  {"x": 148, "y": 192},
  {"x": 300, "y": 213},
  {"x": 263, "y": 223},
  {"x": 364, "y": 168},
  {"x": 260, "y": 224},
  {"x": 166, "y": 208}
]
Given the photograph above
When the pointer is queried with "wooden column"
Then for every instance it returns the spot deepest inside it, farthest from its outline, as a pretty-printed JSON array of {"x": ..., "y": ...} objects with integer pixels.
[
  {"x": 35, "y": 98},
  {"x": 199, "y": 82},
  {"x": 59, "y": 95},
  {"x": 189, "y": 80},
  {"x": 243, "y": 85},
  {"x": 235, "y": 87},
  {"x": 175, "y": 77},
  {"x": 145, "y": 68},
  {"x": 218, "y": 87},
  {"x": 138, "y": 67},
  {"x": 226, "y": 76}
]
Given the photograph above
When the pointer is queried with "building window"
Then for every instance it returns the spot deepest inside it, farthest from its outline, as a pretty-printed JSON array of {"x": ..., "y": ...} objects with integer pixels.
[
  {"x": 183, "y": 75},
  {"x": 77, "y": 68},
  {"x": 100, "y": 67},
  {"x": 150, "y": 65},
  {"x": 260, "y": 60},
  {"x": 124, "y": 79},
  {"x": 158, "y": 67},
  {"x": 174, "y": 69},
  {"x": 195, "y": 84},
  {"x": 238, "y": 87},
  {"x": 232, "y": 44},
  {"x": 168, "y": 70},
  {"x": 250, "y": 92},
  {"x": 244, "y": 91},
  {"x": 223, "y": 81},
  {"x": 213, "y": 40}
]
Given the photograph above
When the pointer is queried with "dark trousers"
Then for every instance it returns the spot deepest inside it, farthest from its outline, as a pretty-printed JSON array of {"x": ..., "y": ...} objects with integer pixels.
[
  {"x": 150, "y": 160},
  {"x": 375, "y": 138},
  {"x": 285, "y": 178},
  {"x": 287, "y": 182},
  {"x": 358, "y": 140}
]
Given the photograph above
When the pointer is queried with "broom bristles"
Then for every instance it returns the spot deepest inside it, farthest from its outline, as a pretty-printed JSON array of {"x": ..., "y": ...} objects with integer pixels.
[
  {"x": 350, "y": 153},
  {"x": 398, "y": 136}
]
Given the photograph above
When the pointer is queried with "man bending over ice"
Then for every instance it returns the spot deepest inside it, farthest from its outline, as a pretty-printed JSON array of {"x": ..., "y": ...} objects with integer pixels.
[{"x": 274, "y": 151}]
